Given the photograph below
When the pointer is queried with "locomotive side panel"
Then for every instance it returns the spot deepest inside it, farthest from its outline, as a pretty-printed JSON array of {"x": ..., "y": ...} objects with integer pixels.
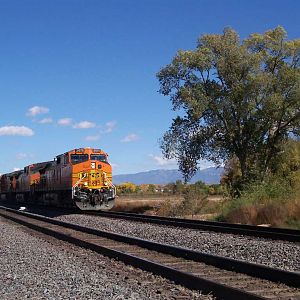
[
  {"x": 58, "y": 184},
  {"x": 4, "y": 186},
  {"x": 9, "y": 185}
]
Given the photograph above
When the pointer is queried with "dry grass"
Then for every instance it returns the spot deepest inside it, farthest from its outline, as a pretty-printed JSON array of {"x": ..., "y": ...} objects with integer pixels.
[
  {"x": 165, "y": 206},
  {"x": 142, "y": 204},
  {"x": 169, "y": 208},
  {"x": 274, "y": 214},
  {"x": 162, "y": 205},
  {"x": 273, "y": 201}
]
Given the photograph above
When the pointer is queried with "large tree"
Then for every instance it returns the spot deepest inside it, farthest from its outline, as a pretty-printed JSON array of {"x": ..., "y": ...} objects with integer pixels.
[{"x": 236, "y": 98}]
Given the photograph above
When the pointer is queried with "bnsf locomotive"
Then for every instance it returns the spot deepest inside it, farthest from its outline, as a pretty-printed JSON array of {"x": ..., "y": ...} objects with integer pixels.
[{"x": 81, "y": 177}]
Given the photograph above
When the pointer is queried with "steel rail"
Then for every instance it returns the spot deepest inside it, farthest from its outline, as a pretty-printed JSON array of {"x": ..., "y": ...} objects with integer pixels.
[
  {"x": 291, "y": 235},
  {"x": 195, "y": 282}
]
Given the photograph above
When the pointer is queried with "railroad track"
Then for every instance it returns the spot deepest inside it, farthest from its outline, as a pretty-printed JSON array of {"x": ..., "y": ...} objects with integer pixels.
[
  {"x": 223, "y": 277},
  {"x": 291, "y": 235}
]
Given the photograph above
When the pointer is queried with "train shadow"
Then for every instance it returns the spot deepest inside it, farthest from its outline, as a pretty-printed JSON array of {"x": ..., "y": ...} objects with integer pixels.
[{"x": 47, "y": 211}]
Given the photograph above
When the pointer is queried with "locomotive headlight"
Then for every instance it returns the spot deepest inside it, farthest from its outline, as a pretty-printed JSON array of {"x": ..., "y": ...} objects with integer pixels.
[
  {"x": 93, "y": 165},
  {"x": 105, "y": 183},
  {"x": 85, "y": 183}
]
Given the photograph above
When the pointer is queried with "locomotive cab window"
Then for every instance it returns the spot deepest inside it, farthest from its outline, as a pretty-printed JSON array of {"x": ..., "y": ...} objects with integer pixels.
[
  {"x": 78, "y": 158},
  {"x": 99, "y": 157}
]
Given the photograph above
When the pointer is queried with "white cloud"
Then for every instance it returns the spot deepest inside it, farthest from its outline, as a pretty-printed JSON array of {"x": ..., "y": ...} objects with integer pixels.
[
  {"x": 37, "y": 110},
  {"x": 163, "y": 162},
  {"x": 84, "y": 125},
  {"x": 109, "y": 126},
  {"x": 21, "y": 156},
  {"x": 16, "y": 130},
  {"x": 130, "y": 138},
  {"x": 114, "y": 165},
  {"x": 204, "y": 164},
  {"x": 16, "y": 169},
  {"x": 45, "y": 121},
  {"x": 92, "y": 138},
  {"x": 65, "y": 122}
]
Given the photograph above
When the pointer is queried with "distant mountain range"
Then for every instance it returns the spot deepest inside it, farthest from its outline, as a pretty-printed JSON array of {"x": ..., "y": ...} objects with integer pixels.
[{"x": 209, "y": 176}]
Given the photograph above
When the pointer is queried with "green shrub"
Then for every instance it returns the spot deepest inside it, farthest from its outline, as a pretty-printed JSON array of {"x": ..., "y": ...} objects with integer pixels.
[{"x": 270, "y": 202}]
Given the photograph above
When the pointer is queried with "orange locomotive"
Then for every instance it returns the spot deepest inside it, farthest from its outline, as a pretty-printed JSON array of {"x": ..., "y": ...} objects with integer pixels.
[{"x": 81, "y": 177}]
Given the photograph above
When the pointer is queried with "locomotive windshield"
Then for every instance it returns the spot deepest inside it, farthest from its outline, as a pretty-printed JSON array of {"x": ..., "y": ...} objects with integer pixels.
[
  {"x": 78, "y": 158},
  {"x": 99, "y": 157}
]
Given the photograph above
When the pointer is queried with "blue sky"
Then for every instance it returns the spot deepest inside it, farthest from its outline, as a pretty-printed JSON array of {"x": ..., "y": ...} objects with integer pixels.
[{"x": 79, "y": 73}]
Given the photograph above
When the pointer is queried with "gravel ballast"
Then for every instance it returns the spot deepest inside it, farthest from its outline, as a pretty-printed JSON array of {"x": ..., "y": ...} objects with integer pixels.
[
  {"x": 37, "y": 267},
  {"x": 273, "y": 253}
]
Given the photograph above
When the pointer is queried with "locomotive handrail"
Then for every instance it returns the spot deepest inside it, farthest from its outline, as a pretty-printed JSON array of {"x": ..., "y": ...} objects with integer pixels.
[
  {"x": 77, "y": 183},
  {"x": 111, "y": 184}
]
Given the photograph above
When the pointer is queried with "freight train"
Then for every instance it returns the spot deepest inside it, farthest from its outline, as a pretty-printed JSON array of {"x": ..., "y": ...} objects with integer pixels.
[{"x": 80, "y": 177}]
